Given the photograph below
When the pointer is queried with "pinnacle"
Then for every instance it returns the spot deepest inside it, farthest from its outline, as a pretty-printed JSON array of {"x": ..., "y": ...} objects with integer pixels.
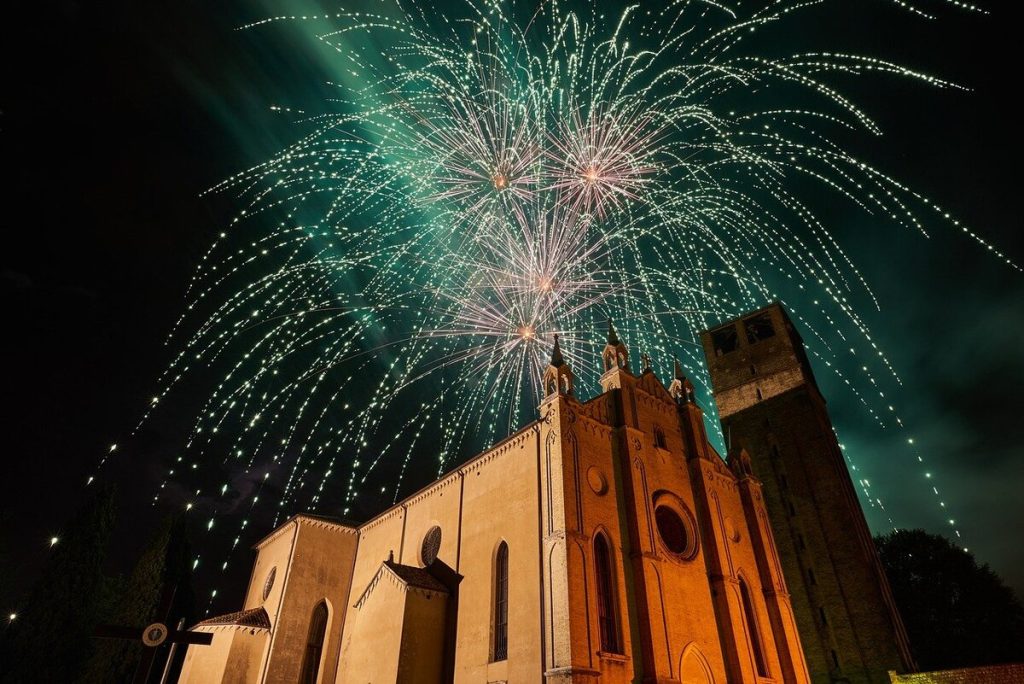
[
  {"x": 613, "y": 338},
  {"x": 556, "y": 355}
]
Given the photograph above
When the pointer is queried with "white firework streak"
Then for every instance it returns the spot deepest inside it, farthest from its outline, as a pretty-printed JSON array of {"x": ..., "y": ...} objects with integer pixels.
[{"x": 389, "y": 293}]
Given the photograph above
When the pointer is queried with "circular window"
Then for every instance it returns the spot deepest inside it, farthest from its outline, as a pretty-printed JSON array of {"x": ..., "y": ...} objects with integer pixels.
[
  {"x": 676, "y": 533},
  {"x": 431, "y": 545},
  {"x": 269, "y": 584},
  {"x": 597, "y": 480}
]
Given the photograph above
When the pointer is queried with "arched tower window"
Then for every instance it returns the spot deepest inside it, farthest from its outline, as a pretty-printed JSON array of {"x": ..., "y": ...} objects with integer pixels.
[
  {"x": 314, "y": 645},
  {"x": 501, "y": 603},
  {"x": 659, "y": 438},
  {"x": 606, "y": 604},
  {"x": 755, "y": 636}
]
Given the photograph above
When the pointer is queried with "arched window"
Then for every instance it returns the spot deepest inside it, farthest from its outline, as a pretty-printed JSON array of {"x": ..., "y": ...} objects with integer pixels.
[
  {"x": 501, "y": 603},
  {"x": 659, "y": 438},
  {"x": 755, "y": 637},
  {"x": 606, "y": 604},
  {"x": 314, "y": 645}
]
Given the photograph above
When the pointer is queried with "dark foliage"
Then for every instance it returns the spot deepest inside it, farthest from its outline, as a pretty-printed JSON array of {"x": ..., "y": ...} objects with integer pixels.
[
  {"x": 51, "y": 639},
  {"x": 957, "y": 613},
  {"x": 165, "y": 563}
]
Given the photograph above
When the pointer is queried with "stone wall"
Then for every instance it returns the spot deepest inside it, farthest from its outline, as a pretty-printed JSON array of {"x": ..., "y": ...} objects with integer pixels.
[{"x": 989, "y": 674}]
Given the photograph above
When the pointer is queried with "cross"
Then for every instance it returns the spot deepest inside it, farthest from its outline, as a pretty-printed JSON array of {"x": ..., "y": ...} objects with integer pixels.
[{"x": 154, "y": 635}]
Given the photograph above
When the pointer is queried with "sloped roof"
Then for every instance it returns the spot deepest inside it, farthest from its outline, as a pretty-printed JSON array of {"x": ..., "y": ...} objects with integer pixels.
[
  {"x": 254, "y": 618},
  {"x": 408, "y": 576},
  {"x": 416, "y": 577}
]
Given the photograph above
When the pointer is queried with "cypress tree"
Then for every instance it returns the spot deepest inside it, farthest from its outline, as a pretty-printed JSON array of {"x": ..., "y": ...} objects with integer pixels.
[
  {"x": 166, "y": 563},
  {"x": 52, "y": 638}
]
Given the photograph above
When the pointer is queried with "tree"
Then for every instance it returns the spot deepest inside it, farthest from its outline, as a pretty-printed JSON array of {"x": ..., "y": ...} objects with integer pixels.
[
  {"x": 166, "y": 563},
  {"x": 957, "y": 613},
  {"x": 51, "y": 639}
]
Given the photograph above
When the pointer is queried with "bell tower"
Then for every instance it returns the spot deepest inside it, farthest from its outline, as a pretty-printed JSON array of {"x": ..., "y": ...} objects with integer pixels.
[{"x": 772, "y": 410}]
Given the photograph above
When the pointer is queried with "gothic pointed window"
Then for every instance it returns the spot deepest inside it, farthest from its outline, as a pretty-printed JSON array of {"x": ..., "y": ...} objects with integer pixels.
[
  {"x": 606, "y": 603},
  {"x": 314, "y": 645},
  {"x": 659, "y": 438},
  {"x": 501, "y": 603},
  {"x": 755, "y": 637}
]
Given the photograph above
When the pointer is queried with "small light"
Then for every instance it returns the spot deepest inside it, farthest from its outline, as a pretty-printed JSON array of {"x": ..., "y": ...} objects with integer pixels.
[
  {"x": 14, "y": 616},
  {"x": 53, "y": 541}
]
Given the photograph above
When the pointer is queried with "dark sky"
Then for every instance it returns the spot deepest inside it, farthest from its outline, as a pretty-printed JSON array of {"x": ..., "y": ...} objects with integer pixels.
[{"x": 116, "y": 116}]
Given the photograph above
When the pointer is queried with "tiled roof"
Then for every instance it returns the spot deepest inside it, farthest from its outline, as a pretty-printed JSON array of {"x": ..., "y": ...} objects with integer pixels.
[
  {"x": 254, "y": 617},
  {"x": 416, "y": 577}
]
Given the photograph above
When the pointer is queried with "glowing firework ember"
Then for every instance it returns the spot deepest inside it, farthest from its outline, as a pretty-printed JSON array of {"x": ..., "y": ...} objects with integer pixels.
[{"x": 391, "y": 291}]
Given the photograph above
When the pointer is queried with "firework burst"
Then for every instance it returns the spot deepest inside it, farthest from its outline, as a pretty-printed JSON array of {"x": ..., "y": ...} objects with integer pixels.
[{"x": 390, "y": 292}]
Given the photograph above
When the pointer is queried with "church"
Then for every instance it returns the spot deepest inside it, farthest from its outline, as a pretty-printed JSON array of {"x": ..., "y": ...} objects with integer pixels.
[{"x": 606, "y": 542}]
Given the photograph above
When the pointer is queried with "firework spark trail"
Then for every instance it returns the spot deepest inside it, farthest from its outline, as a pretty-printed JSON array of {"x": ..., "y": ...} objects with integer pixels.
[{"x": 494, "y": 178}]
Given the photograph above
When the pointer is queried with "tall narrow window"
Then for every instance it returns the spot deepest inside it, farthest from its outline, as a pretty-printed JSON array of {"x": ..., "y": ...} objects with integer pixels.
[
  {"x": 755, "y": 637},
  {"x": 501, "y": 603},
  {"x": 606, "y": 596},
  {"x": 314, "y": 645},
  {"x": 659, "y": 438}
]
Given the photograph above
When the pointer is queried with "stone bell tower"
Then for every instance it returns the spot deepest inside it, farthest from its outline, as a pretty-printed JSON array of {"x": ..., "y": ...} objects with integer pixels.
[{"x": 770, "y": 406}]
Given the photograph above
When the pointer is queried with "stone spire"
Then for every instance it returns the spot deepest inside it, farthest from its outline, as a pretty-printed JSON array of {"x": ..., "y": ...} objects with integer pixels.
[
  {"x": 613, "y": 338},
  {"x": 556, "y": 355},
  {"x": 558, "y": 378},
  {"x": 615, "y": 354}
]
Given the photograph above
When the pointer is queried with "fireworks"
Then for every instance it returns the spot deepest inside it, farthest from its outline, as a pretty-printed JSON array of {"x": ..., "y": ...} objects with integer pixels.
[{"x": 390, "y": 293}]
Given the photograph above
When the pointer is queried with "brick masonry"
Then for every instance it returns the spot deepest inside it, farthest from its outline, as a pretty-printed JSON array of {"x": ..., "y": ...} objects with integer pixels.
[
  {"x": 989, "y": 674},
  {"x": 770, "y": 405}
]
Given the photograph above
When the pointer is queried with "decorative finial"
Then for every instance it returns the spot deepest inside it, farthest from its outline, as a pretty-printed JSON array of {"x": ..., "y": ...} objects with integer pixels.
[
  {"x": 645, "y": 361},
  {"x": 391, "y": 556},
  {"x": 679, "y": 375},
  {"x": 556, "y": 355},
  {"x": 613, "y": 338}
]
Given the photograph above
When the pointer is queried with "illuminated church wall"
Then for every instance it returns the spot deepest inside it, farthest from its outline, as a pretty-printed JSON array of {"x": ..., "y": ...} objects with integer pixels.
[{"x": 627, "y": 546}]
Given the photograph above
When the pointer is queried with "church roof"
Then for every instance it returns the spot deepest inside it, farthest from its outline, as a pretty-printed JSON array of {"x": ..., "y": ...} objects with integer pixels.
[
  {"x": 409, "y": 576},
  {"x": 254, "y": 617},
  {"x": 416, "y": 577},
  {"x": 316, "y": 520}
]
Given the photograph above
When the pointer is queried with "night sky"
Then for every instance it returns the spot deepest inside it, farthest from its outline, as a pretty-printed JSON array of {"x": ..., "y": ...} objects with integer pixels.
[{"x": 115, "y": 117}]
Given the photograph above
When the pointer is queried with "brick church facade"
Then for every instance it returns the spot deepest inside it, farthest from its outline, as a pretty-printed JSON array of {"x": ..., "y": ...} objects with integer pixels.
[{"x": 606, "y": 542}]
